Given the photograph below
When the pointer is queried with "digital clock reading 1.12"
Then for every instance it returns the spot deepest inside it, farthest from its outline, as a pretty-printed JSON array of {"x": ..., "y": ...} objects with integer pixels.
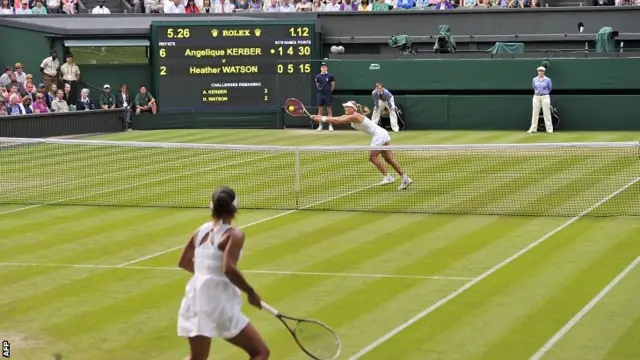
[{"x": 232, "y": 65}]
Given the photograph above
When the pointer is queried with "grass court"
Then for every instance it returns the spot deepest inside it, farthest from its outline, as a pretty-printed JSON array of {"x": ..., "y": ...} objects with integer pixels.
[{"x": 100, "y": 282}]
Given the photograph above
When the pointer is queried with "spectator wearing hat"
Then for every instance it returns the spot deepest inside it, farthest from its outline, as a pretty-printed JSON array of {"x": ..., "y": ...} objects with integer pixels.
[
  {"x": 5, "y": 79},
  {"x": 325, "y": 83},
  {"x": 70, "y": 75},
  {"x": 21, "y": 76},
  {"x": 49, "y": 67},
  {"x": 107, "y": 100},
  {"x": 541, "y": 99},
  {"x": 84, "y": 102},
  {"x": 24, "y": 8}
]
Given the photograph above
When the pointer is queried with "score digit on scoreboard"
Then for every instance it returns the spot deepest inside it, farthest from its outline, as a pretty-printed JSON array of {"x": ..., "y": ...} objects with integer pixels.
[{"x": 232, "y": 65}]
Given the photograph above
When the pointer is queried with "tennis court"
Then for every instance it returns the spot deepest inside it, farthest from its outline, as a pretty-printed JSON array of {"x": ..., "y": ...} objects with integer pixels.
[{"x": 495, "y": 252}]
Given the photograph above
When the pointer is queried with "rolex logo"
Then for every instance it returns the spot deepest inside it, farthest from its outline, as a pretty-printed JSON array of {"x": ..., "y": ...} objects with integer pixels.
[
  {"x": 214, "y": 32},
  {"x": 257, "y": 32}
]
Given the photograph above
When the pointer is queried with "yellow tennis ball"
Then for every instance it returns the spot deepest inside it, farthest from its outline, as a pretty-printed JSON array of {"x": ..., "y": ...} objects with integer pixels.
[{"x": 291, "y": 108}]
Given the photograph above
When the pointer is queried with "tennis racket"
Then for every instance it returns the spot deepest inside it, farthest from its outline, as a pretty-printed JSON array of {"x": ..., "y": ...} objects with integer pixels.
[
  {"x": 294, "y": 107},
  {"x": 314, "y": 338}
]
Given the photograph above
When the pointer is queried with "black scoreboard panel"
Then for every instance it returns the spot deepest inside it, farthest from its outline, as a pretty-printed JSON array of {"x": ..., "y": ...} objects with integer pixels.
[{"x": 232, "y": 65}]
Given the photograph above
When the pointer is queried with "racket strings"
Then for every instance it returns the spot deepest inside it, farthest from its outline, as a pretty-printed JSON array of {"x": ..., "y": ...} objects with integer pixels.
[
  {"x": 294, "y": 107},
  {"x": 316, "y": 339}
]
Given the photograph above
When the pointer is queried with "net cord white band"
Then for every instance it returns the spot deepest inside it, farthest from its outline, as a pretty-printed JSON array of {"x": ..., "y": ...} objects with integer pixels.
[{"x": 4, "y": 141}]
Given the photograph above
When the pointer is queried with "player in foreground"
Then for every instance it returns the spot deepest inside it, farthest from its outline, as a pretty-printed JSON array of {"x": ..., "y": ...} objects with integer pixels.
[
  {"x": 211, "y": 306},
  {"x": 380, "y": 137}
]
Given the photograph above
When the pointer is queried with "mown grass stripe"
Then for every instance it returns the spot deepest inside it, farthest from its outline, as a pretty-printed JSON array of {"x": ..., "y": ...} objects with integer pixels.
[{"x": 455, "y": 312}]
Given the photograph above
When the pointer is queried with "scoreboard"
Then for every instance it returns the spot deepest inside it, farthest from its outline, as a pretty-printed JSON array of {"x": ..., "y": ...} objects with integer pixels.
[{"x": 232, "y": 65}]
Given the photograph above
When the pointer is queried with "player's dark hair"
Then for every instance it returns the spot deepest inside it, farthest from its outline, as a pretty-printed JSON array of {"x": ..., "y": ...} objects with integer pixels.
[{"x": 222, "y": 200}]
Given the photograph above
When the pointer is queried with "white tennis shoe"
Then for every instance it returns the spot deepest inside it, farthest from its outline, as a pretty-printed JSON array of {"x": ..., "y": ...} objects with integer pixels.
[
  {"x": 387, "y": 180},
  {"x": 406, "y": 181}
]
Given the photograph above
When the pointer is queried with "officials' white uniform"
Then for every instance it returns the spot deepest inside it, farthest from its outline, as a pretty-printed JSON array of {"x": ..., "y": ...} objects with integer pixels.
[
  {"x": 212, "y": 304},
  {"x": 379, "y": 136}
]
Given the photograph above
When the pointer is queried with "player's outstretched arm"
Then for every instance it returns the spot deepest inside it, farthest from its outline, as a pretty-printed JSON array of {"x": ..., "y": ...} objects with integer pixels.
[{"x": 344, "y": 119}]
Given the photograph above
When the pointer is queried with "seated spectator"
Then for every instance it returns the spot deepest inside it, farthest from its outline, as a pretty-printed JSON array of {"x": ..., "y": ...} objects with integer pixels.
[
  {"x": 21, "y": 76},
  {"x": 54, "y": 6},
  {"x": 39, "y": 9},
  {"x": 40, "y": 105},
  {"x": 24, "y": 8},
  {"x": 123, "y": 101},
  {"x": 364, "y": 5},
  {"x": 288, "y": 6},
  {"x": 31, "y": 91},
  {"x": 191, "y": 7},
  {"x": 3, "y": 92},
  {"x": 3, "y": 110},
  {"x": 107, "y": 100},
  {"x": 206, "y": 7},
  {"x": 50, "y": 95},
  {"x": 58, "y": 104},
  {"x": 100, "y": 9},
  {"x": 380, "y": 5},
  {"x": 255, "y": 5},
  {"x": 14, "y": 106},
  {"x": 349, "y": 5},
  {"x": 6, "y": 9},
  {"x": 242, "y": 5},
  {"x": 304, "y": 6},
  {"x": 443, "y": 5},
  {"x": 5, "y": 79},
  {"x": 468, "y": 4},
  {"x": 26, "y": 107},
  {"x": 69, "y": 6},
  {"x": 271, "y": 6},
  {"x": 174, "y": 7},
  {"x": 68, "y": 97},
  {"x": 13, "y": 90},
  {"x": 153, "y": 6},
  {"x": 332, "y": 6},
  {"x": 145, "y": 102},
  {"x": 14, "y": 82},
  {"x": 84, "y": 102}
]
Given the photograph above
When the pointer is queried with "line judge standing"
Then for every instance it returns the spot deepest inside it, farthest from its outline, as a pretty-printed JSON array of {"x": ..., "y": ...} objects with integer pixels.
[
  {"x": 325, "y": 83},
  {"x": 541, "y": 99},
  {"x": 382, "y": 98}
]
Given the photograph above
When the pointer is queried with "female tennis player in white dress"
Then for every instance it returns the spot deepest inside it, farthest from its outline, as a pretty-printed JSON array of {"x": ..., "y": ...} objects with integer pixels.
[
  {"x": 211, "y": 307},
  {"x": 379, "y": 137}
]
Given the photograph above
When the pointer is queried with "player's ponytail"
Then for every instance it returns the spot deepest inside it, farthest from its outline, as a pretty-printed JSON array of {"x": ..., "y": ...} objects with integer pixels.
[{"x": 223, "y": 203}]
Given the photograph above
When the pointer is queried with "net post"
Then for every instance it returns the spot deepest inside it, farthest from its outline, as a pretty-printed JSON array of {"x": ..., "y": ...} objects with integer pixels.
[{"x": 296, "y": 183}]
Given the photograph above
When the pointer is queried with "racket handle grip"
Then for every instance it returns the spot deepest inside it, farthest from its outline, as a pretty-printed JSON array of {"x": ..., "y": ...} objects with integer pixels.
[{"x": 269, "y": 308}]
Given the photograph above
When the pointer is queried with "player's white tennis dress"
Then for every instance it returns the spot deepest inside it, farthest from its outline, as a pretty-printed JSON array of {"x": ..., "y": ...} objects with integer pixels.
[
  {"x": 212, "y": 304},
  {"x": 379, "y": 136}
]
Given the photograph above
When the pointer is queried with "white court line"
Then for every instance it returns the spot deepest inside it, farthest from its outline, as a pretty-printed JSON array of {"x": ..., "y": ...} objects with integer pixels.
[
  {"x": 569, "y": 325},
  {"x": 276, "y": 272},
  {"x": 483, "y": 276},
  {"x": 253, "y": 223},
  {"x": 135, "y": 185}
]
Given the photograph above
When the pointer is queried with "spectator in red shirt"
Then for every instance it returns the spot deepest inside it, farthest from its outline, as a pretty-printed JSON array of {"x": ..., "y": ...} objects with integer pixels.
[{"x": 191, "y": 8}]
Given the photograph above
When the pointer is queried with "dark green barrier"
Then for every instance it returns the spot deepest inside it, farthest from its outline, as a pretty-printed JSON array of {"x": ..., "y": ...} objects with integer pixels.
[
  {"x": 207, "y": 120},
  {"x": 61, "y": 124},
  {"x": 494, "y": 112},
  {"x": 484, "y": 74}
]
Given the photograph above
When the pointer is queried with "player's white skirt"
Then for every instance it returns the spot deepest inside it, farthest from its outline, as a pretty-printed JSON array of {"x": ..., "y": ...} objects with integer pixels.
[
  {"x": 211, "y": 307},
  {"x": 380, "y": 138}
]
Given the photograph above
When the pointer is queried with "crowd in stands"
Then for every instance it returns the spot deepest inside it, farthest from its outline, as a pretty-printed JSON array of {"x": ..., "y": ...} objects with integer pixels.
[
  {"x": 58, "y": 92},
  {"x": 19, "y": 7}
]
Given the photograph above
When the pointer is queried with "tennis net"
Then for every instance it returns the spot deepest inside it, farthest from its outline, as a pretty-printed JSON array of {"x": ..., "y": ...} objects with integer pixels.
[{"x": 516, "y": 179}]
